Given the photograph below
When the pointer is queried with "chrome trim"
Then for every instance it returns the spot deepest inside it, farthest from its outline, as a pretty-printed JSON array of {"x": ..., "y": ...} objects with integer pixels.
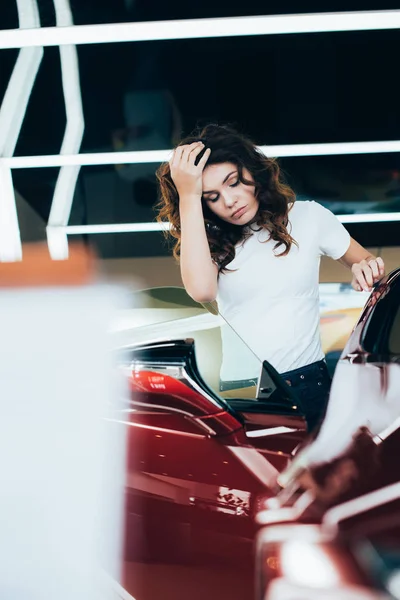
[
  {"x": 197, "y": 388},
  {"x": 173, "y": 370},
  {"x": 381, "y": 436},
  {"x": 286, "y": 532},
  {"x": 158, "y": 364},
  {"x": 179, "y": 411},
  {"x": 271, "y": 516},
  {"x": 357, "y": 506},
  {"x": 256, "y": 433}
]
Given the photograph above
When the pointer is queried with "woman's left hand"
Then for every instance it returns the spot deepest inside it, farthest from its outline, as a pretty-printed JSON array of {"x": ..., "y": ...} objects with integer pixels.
[{"x": 366, "y": 273}]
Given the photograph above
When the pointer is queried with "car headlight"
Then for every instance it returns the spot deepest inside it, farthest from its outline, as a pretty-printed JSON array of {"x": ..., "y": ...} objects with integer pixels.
[{"x": 301, "y": 562}]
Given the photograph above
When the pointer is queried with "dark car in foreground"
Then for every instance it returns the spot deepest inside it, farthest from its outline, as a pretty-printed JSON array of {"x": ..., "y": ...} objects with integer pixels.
[
  {"x": 353, "y": 554},
  {"x": 339, "y": 500}
]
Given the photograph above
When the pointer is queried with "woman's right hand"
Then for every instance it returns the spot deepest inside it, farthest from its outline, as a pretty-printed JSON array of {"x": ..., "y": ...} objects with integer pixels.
[{"x": 187, "y": 176}]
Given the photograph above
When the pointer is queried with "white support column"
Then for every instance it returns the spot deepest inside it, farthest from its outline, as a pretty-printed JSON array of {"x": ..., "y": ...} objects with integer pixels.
[
  {"x": 12, "y": 113},
  {"x": 16, "y": 98},
  {"x": 10, "y": 239}
]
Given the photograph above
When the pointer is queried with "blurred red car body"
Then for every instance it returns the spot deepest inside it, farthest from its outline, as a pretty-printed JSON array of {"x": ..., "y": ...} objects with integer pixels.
[{"x": 204, "y": 470}]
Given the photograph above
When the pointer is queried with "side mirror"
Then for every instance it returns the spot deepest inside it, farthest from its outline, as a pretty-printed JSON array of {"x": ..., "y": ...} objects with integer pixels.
[{"x": 274, "y": 390}]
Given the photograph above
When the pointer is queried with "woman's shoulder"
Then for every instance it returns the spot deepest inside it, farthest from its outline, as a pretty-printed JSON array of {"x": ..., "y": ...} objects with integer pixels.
[
  {"x": 301, "y": 209},
  {"x": 301, "y": 206}
]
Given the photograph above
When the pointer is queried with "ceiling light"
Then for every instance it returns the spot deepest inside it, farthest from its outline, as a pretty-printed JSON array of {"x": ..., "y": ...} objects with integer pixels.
[
  {"x": 158, "y": 156},
  {"x": 201, "y": 28}
]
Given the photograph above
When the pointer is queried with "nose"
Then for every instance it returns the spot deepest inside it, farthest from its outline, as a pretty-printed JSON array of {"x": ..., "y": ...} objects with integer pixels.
[{"x": 229, "y": 199}]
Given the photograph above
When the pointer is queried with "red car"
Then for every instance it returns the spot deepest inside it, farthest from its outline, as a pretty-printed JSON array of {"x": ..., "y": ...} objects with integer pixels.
[
  {"x": 198, "y": 463},
  {"x": 351, "y": 463}
]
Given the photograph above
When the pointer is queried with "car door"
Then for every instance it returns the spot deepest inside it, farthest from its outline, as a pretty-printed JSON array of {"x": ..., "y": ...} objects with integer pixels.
[{"x": 365, "y": 388}]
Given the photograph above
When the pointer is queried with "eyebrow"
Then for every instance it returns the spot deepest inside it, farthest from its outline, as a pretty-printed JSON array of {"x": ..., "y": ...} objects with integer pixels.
[{"x": 226, "y": 179}]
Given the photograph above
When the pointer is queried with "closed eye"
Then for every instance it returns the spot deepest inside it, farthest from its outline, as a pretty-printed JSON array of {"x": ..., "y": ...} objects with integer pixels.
[
  {"x": 209, "y": 199},
  {"x": 215, "y": 198}
]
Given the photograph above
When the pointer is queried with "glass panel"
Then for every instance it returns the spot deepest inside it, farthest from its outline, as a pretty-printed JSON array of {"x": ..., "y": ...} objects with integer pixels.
[
  {"x": 340, "y": 309},
  {"x": 8, "y": 14},
  {"x": 382, "y": 329},
  {"x": 394, "y": 336},
  {"x": 134, "y": 99},
  {"x": 128, "y": 194},
  {"x": 170, "y": 313},
  {"x": 348, "y": 184}
]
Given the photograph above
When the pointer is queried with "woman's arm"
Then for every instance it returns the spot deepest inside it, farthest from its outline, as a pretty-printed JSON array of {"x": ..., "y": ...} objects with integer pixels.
[
  {"x": 199, "y": 273},
  {"x": 365, "y": 267}
]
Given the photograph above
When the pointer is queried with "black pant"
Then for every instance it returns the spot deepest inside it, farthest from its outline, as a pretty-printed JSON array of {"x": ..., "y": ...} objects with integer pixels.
[{"x": 312, "y": 385}]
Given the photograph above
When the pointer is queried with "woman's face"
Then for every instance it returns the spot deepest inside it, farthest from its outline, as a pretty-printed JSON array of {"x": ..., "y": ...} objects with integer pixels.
[{"x": 226, "y": 196}]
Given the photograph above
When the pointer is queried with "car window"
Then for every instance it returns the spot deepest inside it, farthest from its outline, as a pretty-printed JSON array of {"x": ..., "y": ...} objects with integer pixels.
[
  {"x": 170, "y": 313},
  {"x": 382, "y": 331},
  {"x": 394, "y": 335}
]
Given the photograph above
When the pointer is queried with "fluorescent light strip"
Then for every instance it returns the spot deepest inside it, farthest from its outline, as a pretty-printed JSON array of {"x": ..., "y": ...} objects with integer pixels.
[
  {"x": 19, "y": 88},
  {"x": 202, "y": 28},
  {"x": 113, "y": 228},
  {"x": 98, "y": 158},
  {"x": 148, "y": 227},
  {"x": 12, "y": 113},
  {"x": 332, "y": 148},
  {"x": 370, "y": 217},
  {"x": 16, "y": 98},
  {"x": 66, "y": 182},
  {"x": 159, "y": 156}
]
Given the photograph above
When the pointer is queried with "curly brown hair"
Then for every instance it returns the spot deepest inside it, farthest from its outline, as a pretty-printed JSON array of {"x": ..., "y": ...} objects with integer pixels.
[{"x": 274, "y": 196}]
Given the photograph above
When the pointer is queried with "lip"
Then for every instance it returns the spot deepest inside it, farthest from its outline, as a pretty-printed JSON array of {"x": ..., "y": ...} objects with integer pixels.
[{"x": 239, "y": 212}]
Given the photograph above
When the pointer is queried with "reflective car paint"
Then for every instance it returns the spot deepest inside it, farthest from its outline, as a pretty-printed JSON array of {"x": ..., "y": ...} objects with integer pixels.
[
  {"x": 354, "y": 456},
  {"x": 197, "y": 465}
]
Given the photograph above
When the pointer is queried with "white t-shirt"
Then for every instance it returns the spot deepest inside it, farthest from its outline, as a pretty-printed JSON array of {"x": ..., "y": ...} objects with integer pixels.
[{"x": 273, "y": 302}]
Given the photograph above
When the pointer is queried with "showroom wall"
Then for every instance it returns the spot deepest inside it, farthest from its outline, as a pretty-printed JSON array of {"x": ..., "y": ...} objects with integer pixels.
[{"x": 164, "y": 271}]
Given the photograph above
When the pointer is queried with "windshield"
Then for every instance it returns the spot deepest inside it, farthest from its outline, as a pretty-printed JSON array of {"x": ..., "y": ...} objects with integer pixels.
[{"x": 225, "y": 362}]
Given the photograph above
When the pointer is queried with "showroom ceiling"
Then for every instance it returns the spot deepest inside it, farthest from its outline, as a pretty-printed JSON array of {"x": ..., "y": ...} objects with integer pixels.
[{"x": 280, "y": 89}]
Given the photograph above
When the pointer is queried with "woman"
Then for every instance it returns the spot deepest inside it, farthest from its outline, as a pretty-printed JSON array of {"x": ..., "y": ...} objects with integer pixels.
[{"x": 242, "y": 238}]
